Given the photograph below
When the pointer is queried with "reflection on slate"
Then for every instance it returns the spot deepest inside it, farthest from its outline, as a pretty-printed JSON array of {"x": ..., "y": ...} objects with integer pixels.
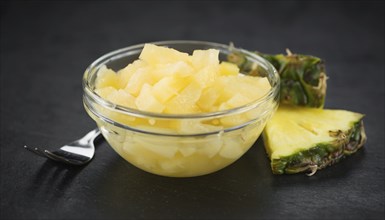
[{"x": 53, "y": 179}]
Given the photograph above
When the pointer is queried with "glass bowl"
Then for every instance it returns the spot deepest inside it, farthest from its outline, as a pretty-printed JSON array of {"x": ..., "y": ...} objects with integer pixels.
[{"x": 175, "y": 145}]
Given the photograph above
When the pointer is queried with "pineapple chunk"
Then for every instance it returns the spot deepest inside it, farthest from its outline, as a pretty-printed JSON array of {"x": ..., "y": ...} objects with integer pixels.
[
  {"x": 205, "y": 58},
  {"x": 185, "y": 101},
  {"x": 177, "y": 69},
  {"x": 211, "y": 147},
  {"x": 125, "y": 74},
  {"x": 153, "y": 54},
  {"x": 106, "y": 77},
  {"x": 228, "y": 69},
  {"x": 138, "y": 79},
  {"x": 206, "y": 76},
  {"x": 208, "y": 98},
  {"x": 159, "y": 150},
  {"x": 231, "y": 149},
  {"x": 168, "y": 87},
  {"x": 147, "y": 102},
  {"x": 250, "y": 87},
  {"x": 163, "y": 90},
  {"x": 187, "y": 150},
  {"x": 105, "y": 91},
  {"x": 238, "y": 100},
  {"x": 121, "y": 97},
  {"x": 195, "y": 127}
]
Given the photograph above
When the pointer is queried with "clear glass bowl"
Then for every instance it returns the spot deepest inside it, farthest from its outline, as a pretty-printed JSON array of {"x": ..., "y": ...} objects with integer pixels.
[{"x": 156, "y": 143}]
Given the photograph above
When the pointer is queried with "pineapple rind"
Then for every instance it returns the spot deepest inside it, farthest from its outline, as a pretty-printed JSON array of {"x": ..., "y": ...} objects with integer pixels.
[
  {"x": 303, "y": 77},
  {"x": 303, "y": 83},
  {"x": 321, "y": 155}
]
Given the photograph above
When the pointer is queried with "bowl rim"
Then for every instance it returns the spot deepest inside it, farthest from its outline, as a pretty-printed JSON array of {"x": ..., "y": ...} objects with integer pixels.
[{"x": 89, "y": 93}]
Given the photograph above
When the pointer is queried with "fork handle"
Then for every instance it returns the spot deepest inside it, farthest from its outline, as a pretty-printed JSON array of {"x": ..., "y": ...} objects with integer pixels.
[{"x": 90, "y": 136}]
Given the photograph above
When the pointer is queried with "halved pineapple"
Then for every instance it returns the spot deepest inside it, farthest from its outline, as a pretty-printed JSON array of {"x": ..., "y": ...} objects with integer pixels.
[
  {"x": 299, "y": 139},
  {"x": 303, "y": 77}
]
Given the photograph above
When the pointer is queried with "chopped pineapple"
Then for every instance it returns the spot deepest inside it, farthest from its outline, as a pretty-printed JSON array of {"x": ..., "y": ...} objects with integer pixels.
[
  {"x": 195, "y": 126},
  {"x": 228, "y": 69},
  {"x": 121, "y": 97},
  {"x": 153, "y": 54},
  {"x": 180, "y": 83},
  {"x": 185, "y": 101},
  {"x": 168, "y": 87},
  {"x": 208, "y": 98},
  {"x": 147, "y": 102},
  {"x": 167, "y": 81},
  {"x": 175, "y": 69},
  {"x": 205, "y": 58},
  {"x": 105, "y": 91},
  {"x": 138, "y": 79},
  {"x": 164, "y": 89},
  {"x": 106, "y": 78},
  {"x": 125, "y": 74},
  {"x": 206, "y": 76}
]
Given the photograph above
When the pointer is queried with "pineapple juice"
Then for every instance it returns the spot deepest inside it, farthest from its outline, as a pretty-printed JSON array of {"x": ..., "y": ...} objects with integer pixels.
[{"x": 164, "y": 81}]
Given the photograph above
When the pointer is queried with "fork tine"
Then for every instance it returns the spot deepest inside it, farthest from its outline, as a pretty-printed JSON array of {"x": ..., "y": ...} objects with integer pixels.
[
  {"x": 53, "y": 156},
  {"x": 35, "y": 150}
]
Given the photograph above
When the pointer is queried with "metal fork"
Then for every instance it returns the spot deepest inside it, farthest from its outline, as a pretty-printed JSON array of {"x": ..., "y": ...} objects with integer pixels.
[{"x": 78, "y": 152}]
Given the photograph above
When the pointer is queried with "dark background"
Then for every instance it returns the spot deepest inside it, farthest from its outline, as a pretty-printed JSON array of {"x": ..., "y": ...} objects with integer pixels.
[{"x": 46, "y": 46}]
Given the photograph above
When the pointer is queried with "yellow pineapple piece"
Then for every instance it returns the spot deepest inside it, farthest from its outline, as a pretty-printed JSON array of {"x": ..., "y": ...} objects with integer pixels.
[
  {"x": 187, "y": 150},
  {"x": 211, "y": 147},
  {"x": 125, "y": 74},
  {"x": 147, "y": 102},
  {"x": 188, "y": 126},
  {"x": 138, "y": 79},
  {"x": 153, "y": 54},
  {"x": 123, "y": 98},
  {"x": 168, "y": 87},
  {"x": 105, "y": 91},
  {"x": 238, "y": 100},
  {"x": 106, "y": 77},
  {"x": 177, "y": 69},
  {"x": 206, "y": 76},
  {"x": 208, "y": 98},
  {"x": 204, "y": 58},
  {"x": 163, "y": 90},
  {"x": 248, "y": 86},
  {"x": 185, "y": 101},
  {"x": 228, "y": 69},
  {"x": 231, "y": 149}
]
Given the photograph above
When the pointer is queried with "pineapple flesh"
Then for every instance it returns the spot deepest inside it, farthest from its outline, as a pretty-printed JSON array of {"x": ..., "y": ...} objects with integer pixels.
[
  {"x": 166, "y": 81},
  {"x": 303, "y": 77},
  {"x": 299, "y": 139},
  {"x": 303, "y": 137}
]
